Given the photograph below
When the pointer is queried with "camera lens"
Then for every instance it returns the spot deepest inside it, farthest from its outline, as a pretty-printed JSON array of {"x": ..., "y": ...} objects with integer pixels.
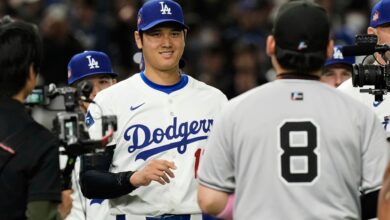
[{"x": 367, "y": 75}]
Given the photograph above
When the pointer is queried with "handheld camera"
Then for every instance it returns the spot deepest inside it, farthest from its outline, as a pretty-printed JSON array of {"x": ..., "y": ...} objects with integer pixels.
[{"x": 376, "y": 75}]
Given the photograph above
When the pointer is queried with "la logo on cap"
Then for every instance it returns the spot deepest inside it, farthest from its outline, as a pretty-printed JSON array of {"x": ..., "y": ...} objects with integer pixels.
[
  {"x": 165, "y": 9},
  {"x": 92, "y": 63},
  {"x": 338, "y": 54}
]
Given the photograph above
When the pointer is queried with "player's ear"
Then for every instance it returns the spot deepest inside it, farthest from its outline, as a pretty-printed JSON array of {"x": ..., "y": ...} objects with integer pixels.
[
  {"x": 138, "y": 40},
  {"x": 270, "y": 45},
  {"x": 371, "y": 30},
  {"x": 329, "y": 49}
]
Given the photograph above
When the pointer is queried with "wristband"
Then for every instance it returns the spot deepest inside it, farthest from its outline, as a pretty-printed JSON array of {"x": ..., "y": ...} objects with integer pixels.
[{"x": 227, "y": 212}]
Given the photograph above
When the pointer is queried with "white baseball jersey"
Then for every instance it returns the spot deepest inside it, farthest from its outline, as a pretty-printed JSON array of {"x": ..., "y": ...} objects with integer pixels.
[
  {"x": 84, "y": 208},
  {"x": 295, "y": 149},
  {"x": 382, "y": 109},
  {"x": 158, "y": 122}
]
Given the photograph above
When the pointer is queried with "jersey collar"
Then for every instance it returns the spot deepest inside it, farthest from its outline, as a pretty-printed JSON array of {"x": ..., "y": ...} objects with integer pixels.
[{"x": 166, "y": 89}]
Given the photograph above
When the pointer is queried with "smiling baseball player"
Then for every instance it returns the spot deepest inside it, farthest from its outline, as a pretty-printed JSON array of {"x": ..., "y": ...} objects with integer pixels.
[{"x": 164, "y": 119}]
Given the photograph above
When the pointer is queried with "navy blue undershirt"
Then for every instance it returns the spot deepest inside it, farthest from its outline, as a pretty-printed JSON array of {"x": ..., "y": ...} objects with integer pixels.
[{"x": 166, "y": 89}]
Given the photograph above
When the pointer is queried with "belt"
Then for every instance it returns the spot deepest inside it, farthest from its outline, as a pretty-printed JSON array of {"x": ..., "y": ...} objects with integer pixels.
[{"x": 170, "y": 217}]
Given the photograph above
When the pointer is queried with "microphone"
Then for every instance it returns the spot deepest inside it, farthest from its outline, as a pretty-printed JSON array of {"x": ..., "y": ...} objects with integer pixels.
[
  {"x": 363, "y": 49},
  {"x": 52, "y": 90}
]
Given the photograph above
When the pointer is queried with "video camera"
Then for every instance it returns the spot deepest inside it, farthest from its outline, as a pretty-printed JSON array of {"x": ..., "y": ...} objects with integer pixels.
[
  {"x": 69, "y": 125},
  {"x": 376, "y": 75}
]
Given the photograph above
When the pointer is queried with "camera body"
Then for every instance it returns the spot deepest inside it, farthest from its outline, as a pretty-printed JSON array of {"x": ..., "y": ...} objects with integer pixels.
[
  {"x": 374, "y": 75},
  {"x": 67, "y": 127},
  {"x": 69, "y": 124},
  {"x": 38, "y": 96}
]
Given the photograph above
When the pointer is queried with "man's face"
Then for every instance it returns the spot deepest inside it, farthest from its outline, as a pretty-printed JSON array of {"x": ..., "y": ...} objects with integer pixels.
[
  {"x": 162, "y": 47},
  {"x": 334, "y": 75},
  {"x": 383, "y": 34},
  {"x": 99, "y": 82}
]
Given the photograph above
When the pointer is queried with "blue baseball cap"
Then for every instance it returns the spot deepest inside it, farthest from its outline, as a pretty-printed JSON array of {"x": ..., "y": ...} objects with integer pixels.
[
  {"x": 380, "y": 14},
  {"x": 155, "y": 12},
  {"x": 338, "y": 58},
  {"x": 89, "y": 63}
]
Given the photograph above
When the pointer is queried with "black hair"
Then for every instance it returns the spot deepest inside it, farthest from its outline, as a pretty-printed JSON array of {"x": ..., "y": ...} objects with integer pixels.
[
  {"x": 302, "y": 62},
  {"x": 20, "y": 47}
]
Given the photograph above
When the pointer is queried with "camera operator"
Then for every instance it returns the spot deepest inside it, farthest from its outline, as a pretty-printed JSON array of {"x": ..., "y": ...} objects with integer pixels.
[
  {"x": 379, "y": 26},
  {"x": 29, "y": 164},
  {"x": 94, "y": 67}
]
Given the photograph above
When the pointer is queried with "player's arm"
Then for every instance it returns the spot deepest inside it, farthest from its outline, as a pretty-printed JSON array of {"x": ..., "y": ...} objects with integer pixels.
[
  {"x": 384, "y": 197},
  {"x": 215, "y": 202},
  {"x": 216, "y": 170},
  {"x": 374, "y": 148},
  {"x": 100, "y": 183},
  {"x": 105, "y": 185}
]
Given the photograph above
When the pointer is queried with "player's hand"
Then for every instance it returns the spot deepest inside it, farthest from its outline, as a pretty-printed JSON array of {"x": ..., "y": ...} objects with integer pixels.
[
  {"x": 155, "y": 170},
  {"x": 384, "y": 197},
  {"x": 66, "y": 204}
]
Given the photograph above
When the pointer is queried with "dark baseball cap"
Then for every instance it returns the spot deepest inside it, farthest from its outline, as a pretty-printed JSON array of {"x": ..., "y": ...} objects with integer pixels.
[
  {"x": 89, "y": 63},
  {"x": 301, "y": 26},
  {"x": 380, "y": 14},
  {"x": 155, "y": 12}
]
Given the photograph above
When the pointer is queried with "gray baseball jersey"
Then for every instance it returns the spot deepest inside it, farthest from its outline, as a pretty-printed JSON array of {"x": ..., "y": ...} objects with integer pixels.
[
  {"x": 295, "y": 149},
  {"x": 154, "y": 123}
]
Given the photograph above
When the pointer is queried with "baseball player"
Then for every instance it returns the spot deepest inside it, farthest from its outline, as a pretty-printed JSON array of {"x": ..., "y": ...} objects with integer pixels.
[
  {"x": 338, "y": 68},
  {"x": 295, "y": 144},
  {"x": 379, "y": 25},
  {"x": 94, "y": 66},
  {"x": 164, "y": 118}
]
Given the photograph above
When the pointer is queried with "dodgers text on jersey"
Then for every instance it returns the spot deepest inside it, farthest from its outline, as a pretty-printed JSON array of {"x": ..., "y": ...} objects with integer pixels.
[{"x": 183, "y": 133}]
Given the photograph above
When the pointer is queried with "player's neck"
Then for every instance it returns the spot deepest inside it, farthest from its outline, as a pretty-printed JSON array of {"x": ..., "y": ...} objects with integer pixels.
[
  {"x": 164, "y": 78},
  {"x": 289, "y": 74}
]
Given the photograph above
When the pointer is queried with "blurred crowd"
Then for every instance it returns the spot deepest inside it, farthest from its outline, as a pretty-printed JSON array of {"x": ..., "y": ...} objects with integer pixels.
[{"x": 225, "y": 45}]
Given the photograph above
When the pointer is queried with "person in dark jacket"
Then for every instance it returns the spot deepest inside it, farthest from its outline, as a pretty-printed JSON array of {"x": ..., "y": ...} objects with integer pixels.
[{"x": 29, "y": 164}]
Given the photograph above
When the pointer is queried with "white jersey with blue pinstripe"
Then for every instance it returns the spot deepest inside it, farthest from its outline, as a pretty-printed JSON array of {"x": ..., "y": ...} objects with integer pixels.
[{"x": 157, "y": 122}]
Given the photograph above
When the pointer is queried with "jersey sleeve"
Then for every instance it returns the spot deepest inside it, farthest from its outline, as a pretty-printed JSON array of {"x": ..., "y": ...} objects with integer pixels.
[
  {"x": 375, "y": 153},
  {"x": 217, "y": 166}
]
